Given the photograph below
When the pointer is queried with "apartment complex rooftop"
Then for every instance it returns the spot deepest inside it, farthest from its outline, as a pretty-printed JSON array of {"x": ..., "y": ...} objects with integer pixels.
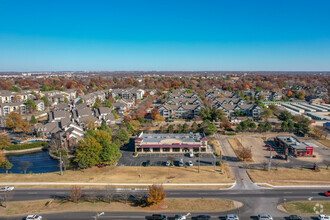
[{"x": 195, "y": 137}]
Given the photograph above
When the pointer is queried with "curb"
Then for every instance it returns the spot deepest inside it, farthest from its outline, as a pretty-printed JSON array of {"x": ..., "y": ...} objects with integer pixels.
[{"x": 292, "y": 186}]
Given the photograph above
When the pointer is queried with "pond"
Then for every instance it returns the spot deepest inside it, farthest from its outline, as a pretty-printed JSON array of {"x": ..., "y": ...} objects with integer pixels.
[{"x": 38, "y": 162}]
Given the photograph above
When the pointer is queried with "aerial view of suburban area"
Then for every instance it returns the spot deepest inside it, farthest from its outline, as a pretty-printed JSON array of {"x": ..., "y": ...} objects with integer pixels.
[{"x": 165, "y": 110}]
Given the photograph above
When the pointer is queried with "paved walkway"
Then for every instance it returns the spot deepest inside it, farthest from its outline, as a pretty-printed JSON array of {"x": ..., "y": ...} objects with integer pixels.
[{"x": 243, "y": 181}]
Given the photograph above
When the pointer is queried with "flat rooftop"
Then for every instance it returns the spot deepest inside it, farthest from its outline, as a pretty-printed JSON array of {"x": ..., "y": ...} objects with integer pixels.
[
  {"x": 182, "y": 137},
  {"x": 293, "y": 142}
]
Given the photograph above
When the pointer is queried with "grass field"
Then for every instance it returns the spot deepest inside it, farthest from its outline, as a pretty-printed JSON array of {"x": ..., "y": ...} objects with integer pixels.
[
  {"x": 153, "y": 175},
  {"x": 325, "y": 142},
  {"x": 169, "y": 205},
  {"x": 307, "y": 207},
  {"x": 286, "y": 176}
]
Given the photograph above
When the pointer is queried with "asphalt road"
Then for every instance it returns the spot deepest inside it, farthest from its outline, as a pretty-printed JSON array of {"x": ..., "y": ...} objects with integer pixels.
[{"x": 255, "y": 201}]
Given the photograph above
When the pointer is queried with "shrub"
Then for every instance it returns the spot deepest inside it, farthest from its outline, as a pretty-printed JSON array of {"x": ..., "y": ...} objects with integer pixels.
[
  {"x": 230, "y": 133},
  {"x": 27, "y": 146}
]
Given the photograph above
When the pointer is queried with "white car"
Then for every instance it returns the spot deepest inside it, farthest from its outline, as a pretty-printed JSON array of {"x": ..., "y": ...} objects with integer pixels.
[
  {"x": 323, "y": 217},
  {"x": 231, "y": 217},
  {"x": 7, "y": 189},
  {"x": 191, "y": 154},
  {"x": 265, "y": 217},
  {"x": 33, "y": 217},
  {"x": 190, "y": 163}
]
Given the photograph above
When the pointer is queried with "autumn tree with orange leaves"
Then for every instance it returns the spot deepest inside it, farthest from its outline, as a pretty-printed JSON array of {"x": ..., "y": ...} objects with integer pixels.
[{"x": 156, "y": 194}]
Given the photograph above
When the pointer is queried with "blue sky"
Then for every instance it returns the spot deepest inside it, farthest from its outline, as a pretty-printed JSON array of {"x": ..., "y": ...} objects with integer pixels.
[{"x": 164, "y": 35}]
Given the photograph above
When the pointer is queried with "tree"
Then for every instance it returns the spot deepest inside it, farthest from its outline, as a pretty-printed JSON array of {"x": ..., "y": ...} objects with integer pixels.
[
  {"x": 170, "y": 129},
  {"x": 194, "y": 127},
  {"x": 46, "y": 101},
  {"x": 88, "y": 152},
  {"x": 244, "y": 153},
  {"x": 33, "y": 120},
  {"x": 110, "y": 152},
  {"x": 268, "y": 126},
  {"x": 225, "y": 125},
  {"x": 154, "y": 113},
  {"x": 284, "y": 126},
  {"x": 285, "y": 116},
  {"x": 319, "y": 133},
  {"x": 185, "y": 128},
  {"x": 31, "y": 105},
  {"x": 208, "y": 127},
  {"x": 15, "y": 122},
  {"x": 14, "y": 89},
  {"x": 267, "y": 113},
  {"x": 159, "y": 118},
  {"x": 76, "y": 193},
  {"x": 4, "y": 141},
  {"x": 123, "y": 136},
  {"x": 261, "y": 127},
  {"x": 6, "y": 165},
  {"x": 107, "y": 103},
  {"x": 156, "y": 194},
  {"x": 25, "y": 165}
]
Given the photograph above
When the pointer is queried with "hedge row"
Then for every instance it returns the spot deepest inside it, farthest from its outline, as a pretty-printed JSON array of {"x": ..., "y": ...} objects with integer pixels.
[{"x": 27, "y": 146}]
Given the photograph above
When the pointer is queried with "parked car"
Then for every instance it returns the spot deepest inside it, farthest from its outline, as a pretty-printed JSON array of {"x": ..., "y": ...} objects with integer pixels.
[
  {"x": 181, "y": 217},
  {"x": 191, "y": 154},
  {"x": 181, "y": 162},
  {"x": 158, "y": 217},
  {"x": 295, "y": 217},
  {"x": 147, "y": 163},
  {"x": 323, "y": 217},
  {"x": 231, "y": 217},
  {"x": 168, "y": 163},
  {"x": 7, "y": 189},
  {"x": 202, "y": 217},
  {"x": 270, "y": 148},
  {"x": 33, "y": 217},
  {"x": 327, "y": 193},
  {"x": 278, "y": 156},
  {"x": 265, "y": 217},
  {"x": 190, "y": 163}
]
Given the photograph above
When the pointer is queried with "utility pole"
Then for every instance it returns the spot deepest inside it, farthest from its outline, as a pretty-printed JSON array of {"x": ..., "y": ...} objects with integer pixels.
[
  {"x": 270, "y": 157},
  {"x": 199, "y": 160},
  {"x": 61, "y": 172}
]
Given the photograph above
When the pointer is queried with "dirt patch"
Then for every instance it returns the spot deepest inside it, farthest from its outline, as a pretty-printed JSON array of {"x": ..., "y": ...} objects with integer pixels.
[
  {"x": 286, "y": 176},
  {"x": 325, "y": 142},
  {"x": 169, "y": 205},
  {"x": 237, "y": 147}
]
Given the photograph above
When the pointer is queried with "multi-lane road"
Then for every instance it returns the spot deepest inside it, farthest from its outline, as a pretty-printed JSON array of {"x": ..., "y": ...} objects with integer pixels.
[{"x": 255, "y": 201}]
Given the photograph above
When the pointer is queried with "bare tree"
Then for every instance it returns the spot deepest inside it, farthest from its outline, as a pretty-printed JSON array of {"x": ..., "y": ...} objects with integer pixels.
[
  {"x": 276, "y": 164},
  {"x": 25, "y": 165},
  {"x": 109, "y": 194},
  {"x": 92, "y": 196},
  {"x": 4, "y": 198},
  {"x": 265, "y": 164},
  {"x": 326, "y": 163},
  {"x": 140, "y": 197},
  {"x": 125, "y": 194},
  {"x": 76, "y": 194}
]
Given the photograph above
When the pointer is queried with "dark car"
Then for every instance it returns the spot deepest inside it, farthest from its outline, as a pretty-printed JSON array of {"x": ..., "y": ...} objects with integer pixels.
[
  {"x": 295, "y": 217},
  {"x": 202, "y": 217},
  {"x": 158, "y": 217},
  {"x": 278, "y": 156},
  {"x": 146, "y": 164}
]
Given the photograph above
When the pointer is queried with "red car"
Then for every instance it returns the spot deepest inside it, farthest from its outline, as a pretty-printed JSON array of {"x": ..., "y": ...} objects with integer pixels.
[
  {"x": 270, "y": 148},
  {"x": 278, "y": 156},
  {"x": 327, "y": 193}
]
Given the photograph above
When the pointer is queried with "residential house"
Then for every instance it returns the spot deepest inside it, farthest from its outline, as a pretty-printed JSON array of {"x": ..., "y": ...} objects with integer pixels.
[{"x": 179, "y": 111}]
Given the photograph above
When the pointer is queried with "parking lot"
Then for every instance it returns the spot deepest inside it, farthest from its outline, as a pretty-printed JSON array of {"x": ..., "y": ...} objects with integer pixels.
[{"x": 160, "y": 159}]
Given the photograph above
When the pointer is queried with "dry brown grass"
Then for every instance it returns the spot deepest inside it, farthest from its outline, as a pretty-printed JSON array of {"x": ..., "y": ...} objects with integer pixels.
[
  {"x": 286, "y": 176},
  {"x": 154, "y": 175},
  {"x": 169, "y": 205},
  {"x": 216, "y": 145},
  {"x": 325, "y": 142}
]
